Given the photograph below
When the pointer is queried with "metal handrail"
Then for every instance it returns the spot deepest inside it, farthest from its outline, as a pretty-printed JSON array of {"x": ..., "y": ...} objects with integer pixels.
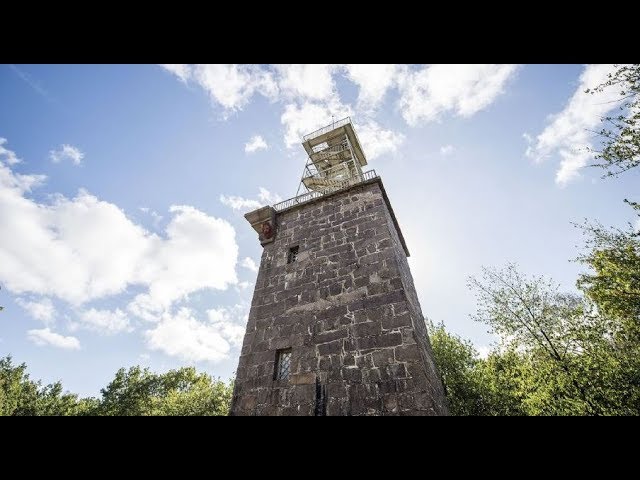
[
  {"x": 326, "y": 129},
  {"x": 330, "y": 150},
  {"x": 307, "y": 197}
]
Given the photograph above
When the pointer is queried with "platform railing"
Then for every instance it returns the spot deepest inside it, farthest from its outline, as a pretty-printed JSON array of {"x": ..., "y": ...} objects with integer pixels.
[
  {"x": 307, "y": 197},
  {"x": 328, "y": 128}
]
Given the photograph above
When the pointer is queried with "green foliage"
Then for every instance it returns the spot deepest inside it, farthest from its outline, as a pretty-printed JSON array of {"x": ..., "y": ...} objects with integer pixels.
[
  {"x": 133, "y": 392},
  {"x": 507, "y": 382},
  {"x": 457, "y": 361},
  {"x": 177, "y": 392},
  {"x": 550, "y": 331},
  {"x": 558, "y": 353},
  {"x": 621, "y": 133},
  {"x": 20, "y": 396},
  {"x": 614, "y": 285}
]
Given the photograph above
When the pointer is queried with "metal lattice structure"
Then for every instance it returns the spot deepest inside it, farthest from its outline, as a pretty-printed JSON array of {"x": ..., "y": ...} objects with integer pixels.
[
  {"x": 335, "y": 159},
  {"x": 307, "y": 197},
  {"x": 283, "y": 364}
]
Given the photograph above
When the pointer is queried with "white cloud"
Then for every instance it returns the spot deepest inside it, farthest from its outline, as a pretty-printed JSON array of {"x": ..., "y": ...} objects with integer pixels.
[
  {"x": 183, "y": 336},
  {"x": 529, "y": 139},
  {"x": 233, "y": 86},
  {"x": 239, "y": 203},
  {"x": 104, "y": 321},
  {"x": 244, "y": 285},
  {"x": 569, "y": 132},
  {"x": 308, "y": 95},
  {"x": 6, "y": 154},
  {"x": 83, "y": 248},
  {"x": 265, "y": 197},
  {"x": 15, "y": 183},
  {"x": 42, "y": 310},
  {"x": 144, "y": 306},
  {"x": 464, "y": 90},
  {"x": 157, "y": 218},
  {"x": 238, "y": 313},
  {"x": 255, "y": 143},
  {"x": 446, "y": 150},
  {"x": 75, "y": 249},
  {"x": 230, "y": 322},
  {"x": 45, "y": 336},
  {"x": 377, "y": 141},
  {"x": 250, "y": 264},
  {"x": 66, "y": 152},
  {"x": 230, "y": 86},
  {"x": 374, "y": 81},
  {"x": 309, "y": 81},
  {"x": 308, "y": 116},
  {"x": 199, "y": 252},
  {"x": 181, "y": 70},
  {"x": 311, "y": 100}
]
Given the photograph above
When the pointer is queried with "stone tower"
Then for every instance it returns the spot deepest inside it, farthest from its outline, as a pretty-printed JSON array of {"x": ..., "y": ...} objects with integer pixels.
[{"x": 335, "y": 326}]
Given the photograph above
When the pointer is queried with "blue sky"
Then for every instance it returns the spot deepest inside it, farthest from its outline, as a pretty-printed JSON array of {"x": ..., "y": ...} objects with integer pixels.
[{"x": 123, "y": 188}]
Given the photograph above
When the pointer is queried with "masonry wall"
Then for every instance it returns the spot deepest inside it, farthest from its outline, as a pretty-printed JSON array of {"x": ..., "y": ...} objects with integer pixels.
[{"x": 348, "y": 310}]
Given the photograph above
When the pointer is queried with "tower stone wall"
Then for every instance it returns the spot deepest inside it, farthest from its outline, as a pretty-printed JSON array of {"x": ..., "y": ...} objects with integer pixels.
[{"x": 348, "y": 310}]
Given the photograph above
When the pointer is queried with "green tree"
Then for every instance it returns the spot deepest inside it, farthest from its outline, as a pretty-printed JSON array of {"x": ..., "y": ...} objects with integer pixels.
[
  {"x": 188, "y": 393},
  {"x": 621, "y": 133},
  {"x": 129, "y": 393},
  {"x": 457, "y": 361},
  {"x": 613, "y": 255},
  {"x": 135, "y": 391},
  {"x": 507, "y": 382},
  {"x": 17, "y": 393},
  {"x": 613, "y": 285},
  {"x": 477, "y": 386},
  {"x": 20, "y": 396},
  {"x": 571, "y": 361},
  {"x": 183, "y": 391}
]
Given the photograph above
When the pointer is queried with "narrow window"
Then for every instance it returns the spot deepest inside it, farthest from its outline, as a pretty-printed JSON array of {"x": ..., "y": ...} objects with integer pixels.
[
  {"x": 283, "y": 364},
  {"x": 293, "y": 254}
]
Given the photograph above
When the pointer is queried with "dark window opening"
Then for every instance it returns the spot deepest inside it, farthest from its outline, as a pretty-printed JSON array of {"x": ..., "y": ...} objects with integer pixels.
[
  {"x": 293, "y": 254},
  {"x": 283, "y": 364}
]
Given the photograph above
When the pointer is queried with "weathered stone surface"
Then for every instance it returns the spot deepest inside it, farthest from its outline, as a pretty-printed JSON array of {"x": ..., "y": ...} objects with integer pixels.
[
  {"x": 303, "y": 378},
  {"x": 348, "y": 310}
]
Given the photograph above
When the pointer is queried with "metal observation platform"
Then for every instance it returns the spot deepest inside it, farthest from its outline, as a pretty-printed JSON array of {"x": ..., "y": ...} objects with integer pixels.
[{"x": 335, "y": 161}]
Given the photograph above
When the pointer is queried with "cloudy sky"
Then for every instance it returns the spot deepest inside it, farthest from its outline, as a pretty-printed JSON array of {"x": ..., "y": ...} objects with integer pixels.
[{"x": 122, "y": 190}]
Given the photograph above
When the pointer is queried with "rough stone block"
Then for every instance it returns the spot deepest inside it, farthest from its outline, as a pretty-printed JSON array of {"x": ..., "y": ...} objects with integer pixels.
[
  {"x": 352, "y": 374},
  {"x": 390, "y": 403},
  {"x": 303, "y": 378},
  {"x": 383, "y": 357},
  {"x": 366, "y": 329},
  {"x": 330, "y": 347},
  {"x": 331, "y": 335}
]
